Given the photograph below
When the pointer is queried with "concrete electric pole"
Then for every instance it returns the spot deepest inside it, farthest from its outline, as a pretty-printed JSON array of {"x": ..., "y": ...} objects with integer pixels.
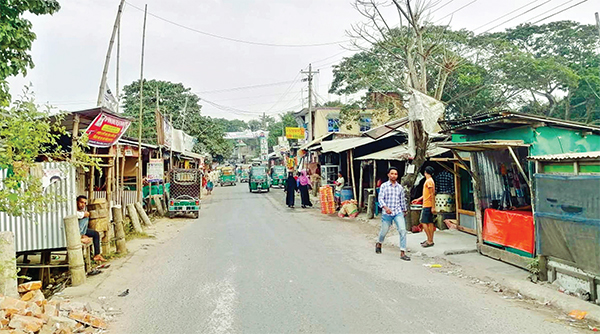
[{"x": 310, "y": 73}]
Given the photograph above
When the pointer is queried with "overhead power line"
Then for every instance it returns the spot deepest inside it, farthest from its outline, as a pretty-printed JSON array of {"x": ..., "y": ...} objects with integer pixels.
[
  {"x": 245, "y": 87},
  {"x": 505, "y": 15},
  {"x": 235, "y": 39},
  {"x": 461, "y": 8},
  {"x": 514, "y": 17},
  {"x": 549, "y": 16}
]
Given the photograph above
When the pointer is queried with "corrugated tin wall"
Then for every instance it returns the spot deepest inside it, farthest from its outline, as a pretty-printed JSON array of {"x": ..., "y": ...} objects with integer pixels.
[{"x": 46, "y": 230}]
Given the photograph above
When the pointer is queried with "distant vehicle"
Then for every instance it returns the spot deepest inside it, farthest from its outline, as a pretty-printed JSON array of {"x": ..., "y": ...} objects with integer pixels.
[
  {"x": 259, "y": 180},
  {"x": 244, "y": 173},
  {"x": 278, "y": 176},
  {"x": 183, "y": 194},
  {"x": 227, "y": 176}
]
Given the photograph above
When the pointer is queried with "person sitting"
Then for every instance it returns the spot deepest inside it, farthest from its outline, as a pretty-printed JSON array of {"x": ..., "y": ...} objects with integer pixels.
[{"x": 86, "y": 233}]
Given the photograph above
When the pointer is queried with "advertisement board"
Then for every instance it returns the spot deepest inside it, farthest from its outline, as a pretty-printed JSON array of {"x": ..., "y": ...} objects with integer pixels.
[
  {"x": 106, "y": 130},
  {"x": 294, "y": 133},
  {"x": 155, "y": 170}
]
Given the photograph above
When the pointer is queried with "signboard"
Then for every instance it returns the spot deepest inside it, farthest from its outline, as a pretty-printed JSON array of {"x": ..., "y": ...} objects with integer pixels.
[
  {"x": 106, "y": 130},
  {"x": 294, "y": 133},
  {"x": 156, "y": 170},
  {"x": 264, "y": 148},
  {"x": 291, "y": 163}
]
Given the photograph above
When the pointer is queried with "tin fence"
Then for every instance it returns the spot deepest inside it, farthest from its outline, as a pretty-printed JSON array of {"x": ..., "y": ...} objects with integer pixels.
[{"x": 46, "y": 230}]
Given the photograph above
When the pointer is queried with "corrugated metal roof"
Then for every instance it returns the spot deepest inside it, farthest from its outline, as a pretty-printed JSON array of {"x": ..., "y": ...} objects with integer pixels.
[
  {"x": 341, "y": 145},
  {"x": 383, "y": 130},
  {"x": 595, "y": 155},
  {"x": 508, "y": 119},
  {"x": 483, "y": 145},
  {"x": 401, "y": 153}
]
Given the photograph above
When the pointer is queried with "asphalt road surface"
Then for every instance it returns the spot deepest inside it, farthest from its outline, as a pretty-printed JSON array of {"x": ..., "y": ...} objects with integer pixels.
[{"x": 251, "y": 265}]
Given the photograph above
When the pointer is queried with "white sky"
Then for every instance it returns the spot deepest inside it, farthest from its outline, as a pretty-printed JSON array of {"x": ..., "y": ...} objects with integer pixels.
[{"x": 71, "y": 46}]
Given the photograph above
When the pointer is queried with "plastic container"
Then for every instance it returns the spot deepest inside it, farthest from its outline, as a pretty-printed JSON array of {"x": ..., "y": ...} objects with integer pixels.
[{"x": 346, "y": 194}]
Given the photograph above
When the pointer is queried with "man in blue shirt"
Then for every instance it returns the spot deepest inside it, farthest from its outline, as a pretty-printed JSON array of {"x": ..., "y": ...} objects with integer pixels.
[{"x": 393, "y": 202}]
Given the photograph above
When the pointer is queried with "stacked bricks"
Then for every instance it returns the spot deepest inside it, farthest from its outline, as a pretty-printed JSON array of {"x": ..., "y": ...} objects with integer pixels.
[{"x": 327, "y": 200}]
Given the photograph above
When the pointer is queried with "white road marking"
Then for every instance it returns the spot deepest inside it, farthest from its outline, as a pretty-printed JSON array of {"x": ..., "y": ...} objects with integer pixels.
[{"x": 222, "y": 317}]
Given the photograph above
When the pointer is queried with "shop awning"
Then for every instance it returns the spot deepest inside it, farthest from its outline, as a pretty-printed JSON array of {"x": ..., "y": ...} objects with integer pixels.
[
  {"x": 383, "y": 130},
  {"x": 401, "y": 153},
  {"x": 567, "y": 156},
  {"x": 191, "y": 155},
  {"x": 314, "y": 142},
  {"x": 483, "y": 145}
]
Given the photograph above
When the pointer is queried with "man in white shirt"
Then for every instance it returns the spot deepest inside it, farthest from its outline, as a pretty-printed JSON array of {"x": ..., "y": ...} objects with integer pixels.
[{"x": 86, "y": 233}]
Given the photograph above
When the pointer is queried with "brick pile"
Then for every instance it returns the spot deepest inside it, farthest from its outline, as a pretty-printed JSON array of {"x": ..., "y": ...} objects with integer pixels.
[
  {"x": 327, "y": 200},
  {"x": 33, "y": 313}
]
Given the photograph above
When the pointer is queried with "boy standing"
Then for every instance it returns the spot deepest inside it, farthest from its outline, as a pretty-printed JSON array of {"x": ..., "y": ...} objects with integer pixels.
[{"x": 428, "y": 202}]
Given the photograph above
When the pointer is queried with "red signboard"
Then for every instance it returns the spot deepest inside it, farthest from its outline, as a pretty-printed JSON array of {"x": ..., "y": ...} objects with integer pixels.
[{"x": 106, "y": 130}]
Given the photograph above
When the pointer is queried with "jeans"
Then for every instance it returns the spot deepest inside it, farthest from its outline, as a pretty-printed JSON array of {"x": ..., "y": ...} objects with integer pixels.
[{"x": 386, "y": 222}]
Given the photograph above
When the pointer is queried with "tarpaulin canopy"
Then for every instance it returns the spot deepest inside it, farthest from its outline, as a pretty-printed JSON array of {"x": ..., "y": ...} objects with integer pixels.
[
  {"x": 513, "y": 229},
  {"x": 401, "y": 153},
  {"x": 483, "y": 145}
]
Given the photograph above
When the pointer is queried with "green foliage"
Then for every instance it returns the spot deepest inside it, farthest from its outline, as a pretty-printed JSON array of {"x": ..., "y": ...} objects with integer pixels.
[
  {"x": 28, "y": 134},
  {"x": 551, "y": 69},
  {"x": 234, "y": 125},
  {"x": 16, "y": 37},
  {"x": 277, "y": 129},
  {"x": 172, "y": 99}
]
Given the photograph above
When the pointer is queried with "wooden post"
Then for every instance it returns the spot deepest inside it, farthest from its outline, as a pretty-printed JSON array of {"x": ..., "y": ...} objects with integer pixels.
[
  {"x": 143, "y": 214},
  {"x": 159, "y": 206},
  {"x": 352, "y": 171},
  {"x": 109, "y": 183},
  {"x": 74, "y": 250},
  {"x": 120, "y": 231},
  {"x": 8, "y": 273},
  {"x": 75, "y": 134},
  {"x": 360, "y": 186},
  {"x": 477, "y": 203},
  {"x": 543, "y": 266},
  {"x": 135, "y": 219}
]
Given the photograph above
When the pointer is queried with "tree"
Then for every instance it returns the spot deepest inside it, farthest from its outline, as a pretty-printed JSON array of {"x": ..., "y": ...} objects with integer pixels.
[
  {"x": 179, "y": 103},
  {"x": 277, "y": 129},
  {"x": 16, "y": 37},
  {"x": 254, "y": 125},
  {"x": 234, "y": 125},
  {"x": 419, "y": 53}
]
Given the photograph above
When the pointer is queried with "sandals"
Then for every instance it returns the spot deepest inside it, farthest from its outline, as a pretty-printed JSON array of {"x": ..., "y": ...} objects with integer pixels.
[
  {"x": 405, "y": 257},
  {"x": 427, "y": 245},
  {"x": 378, "y": 248}
]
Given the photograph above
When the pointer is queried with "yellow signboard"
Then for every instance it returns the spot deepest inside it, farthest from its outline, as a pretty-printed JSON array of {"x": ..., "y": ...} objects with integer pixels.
[{"x": 294, "y": 133}]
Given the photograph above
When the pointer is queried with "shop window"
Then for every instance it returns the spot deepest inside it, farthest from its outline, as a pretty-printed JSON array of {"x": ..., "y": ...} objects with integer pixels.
[{"x": 333, "y": 125}]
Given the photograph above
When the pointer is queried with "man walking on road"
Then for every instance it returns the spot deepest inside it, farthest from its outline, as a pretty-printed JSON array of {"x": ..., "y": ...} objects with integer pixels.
[
  {"x": 428, "y": 201},
  {"x": 393, "y": 202}
]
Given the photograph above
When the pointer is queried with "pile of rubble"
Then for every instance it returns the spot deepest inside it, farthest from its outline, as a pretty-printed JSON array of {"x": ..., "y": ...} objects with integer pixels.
[{"x": 33, "y": 313}]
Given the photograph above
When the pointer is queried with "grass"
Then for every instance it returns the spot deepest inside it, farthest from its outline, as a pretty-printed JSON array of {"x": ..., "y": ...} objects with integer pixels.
[{"x": 138, "y": 235}]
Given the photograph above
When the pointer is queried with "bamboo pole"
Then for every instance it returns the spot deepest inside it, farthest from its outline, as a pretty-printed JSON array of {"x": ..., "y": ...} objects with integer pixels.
[
  {"x": 135, "y": 219},
  {"x": 139, "y": 171},
  {"x": 74, "y": 250},
  {"x": 119, "y": 230},
  {"x": 143, "y": 214},
  {"x": 360, "y": 186},
  {"x": 8, "y": 270},
  {"x": 352, "y": 171}
]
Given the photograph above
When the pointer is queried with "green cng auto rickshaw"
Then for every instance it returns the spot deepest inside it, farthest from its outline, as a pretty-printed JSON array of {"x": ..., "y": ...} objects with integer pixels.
[
  {"x": 244, "y": 173},
  {"x": 259, "y": 179},
  {"x": 227, "y": 176},
  {"x": 278, "y": 177},
  {"x": 184, "y": 190}
]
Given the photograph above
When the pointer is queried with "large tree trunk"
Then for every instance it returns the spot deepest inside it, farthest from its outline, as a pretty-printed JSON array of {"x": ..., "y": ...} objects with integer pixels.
[{"x": 421, "y": 139}]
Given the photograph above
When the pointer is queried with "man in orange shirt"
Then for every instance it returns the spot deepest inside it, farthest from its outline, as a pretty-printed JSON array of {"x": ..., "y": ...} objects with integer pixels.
[{"x": 428, "y": 202}]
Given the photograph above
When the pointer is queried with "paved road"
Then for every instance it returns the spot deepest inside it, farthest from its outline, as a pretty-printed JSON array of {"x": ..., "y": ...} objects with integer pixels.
[{"x": 251, "y": 265}]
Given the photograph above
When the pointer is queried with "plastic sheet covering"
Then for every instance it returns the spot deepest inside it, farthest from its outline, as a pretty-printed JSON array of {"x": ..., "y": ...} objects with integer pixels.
[
  {"x": 509, "y": 228},
  {"x": 567, "y": 214}
]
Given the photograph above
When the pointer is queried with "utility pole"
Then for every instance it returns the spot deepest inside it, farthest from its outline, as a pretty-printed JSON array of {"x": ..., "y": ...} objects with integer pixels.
[
  {"x": 139, "y": 174},
  {"x": 118, "y": 65},
  {"x": 598, "y": 23},
  {"x": 107, "y": 60},
  {"x": 310, "y": 73},
  {"x": 184, "y": 114}
]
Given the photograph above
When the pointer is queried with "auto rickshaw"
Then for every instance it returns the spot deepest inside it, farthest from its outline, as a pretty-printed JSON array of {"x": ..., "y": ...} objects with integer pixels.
[
  {"x": 278, "y": 177},
  {"x": 227, "y": 176},
  {"x": 183, "y": 193},
  {"x": 259, "y": 180}
]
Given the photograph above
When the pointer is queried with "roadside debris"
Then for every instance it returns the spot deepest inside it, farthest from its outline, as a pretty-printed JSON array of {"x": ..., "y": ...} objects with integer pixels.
[
  {"x": 124, "y": 293},
  {"x": 432, "y": 265},
  {"x": 33, "y": 313},
  {"x": 577, "y": 314}
]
